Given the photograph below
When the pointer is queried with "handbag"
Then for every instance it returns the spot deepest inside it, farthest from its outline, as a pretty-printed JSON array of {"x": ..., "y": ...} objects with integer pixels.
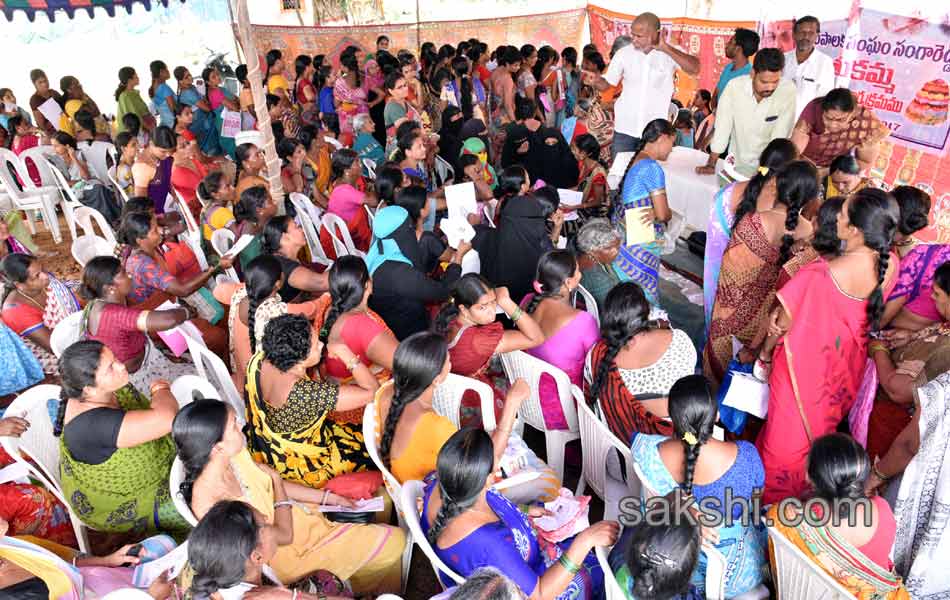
[
  {"x": 207, "y": 306},
  {"x": 732, "y": 418}
]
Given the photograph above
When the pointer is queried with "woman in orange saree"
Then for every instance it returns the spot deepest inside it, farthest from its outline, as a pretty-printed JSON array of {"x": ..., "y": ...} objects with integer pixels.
[{"x": 826, "y": 312}]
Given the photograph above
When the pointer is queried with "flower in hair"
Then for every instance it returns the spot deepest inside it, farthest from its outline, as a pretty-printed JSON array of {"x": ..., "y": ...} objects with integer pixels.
[
  {"x": 690, "y": 438},
  {"x": 537, "y": 286},
  {"x": 764, "y": 171}
]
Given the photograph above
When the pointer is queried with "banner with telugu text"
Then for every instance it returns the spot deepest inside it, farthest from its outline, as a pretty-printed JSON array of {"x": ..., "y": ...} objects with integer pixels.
[
  {"x": 705, "y": 39},
  {"x": 558, "y": 29},
  {"x": 900, "y": 67}
]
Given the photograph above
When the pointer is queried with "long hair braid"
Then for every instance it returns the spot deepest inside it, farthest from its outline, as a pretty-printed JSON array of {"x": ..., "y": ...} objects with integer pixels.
[
  {"x": 626, "y": 314},
  {"x": 651, "y": 133},
  {"x": 876, "y": 301},
  {"x": 348, "y": 279},
  {"x": 60, "y": 413},
  {"x": 252, "y": 304},
  {"x": 449, "y": 510},
  {"x": 796, "y": 185},
  {"x": 692, "y": 409},
  {"x": 554, "y": 268},
  {"x": 464, "y": 463},
  {"x": 418, "y": 361}
]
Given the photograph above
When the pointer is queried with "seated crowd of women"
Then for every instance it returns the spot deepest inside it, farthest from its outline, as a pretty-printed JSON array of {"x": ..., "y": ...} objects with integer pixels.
[{"x": 830, "y": 299}]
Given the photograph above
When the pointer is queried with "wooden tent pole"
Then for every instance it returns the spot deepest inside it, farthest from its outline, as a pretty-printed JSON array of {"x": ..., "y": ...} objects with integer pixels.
[{"x": 254, "y": 76}]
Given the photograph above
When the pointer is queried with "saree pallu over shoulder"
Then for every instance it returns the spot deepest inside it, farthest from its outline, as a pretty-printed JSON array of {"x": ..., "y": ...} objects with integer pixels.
[
  {"x": 746, "y": 290},
  {"x": 312, "y": 449},
  {"x": 816, "y": 371},
  {"x": 129, "y": 491},
  {"x": 63, "y": 580},
  {"x": 842, "y": 561}
]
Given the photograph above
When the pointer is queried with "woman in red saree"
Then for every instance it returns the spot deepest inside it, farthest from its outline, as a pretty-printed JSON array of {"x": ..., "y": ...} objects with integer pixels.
[
  {"x": 474, "y": 336},
  {"x": 827, "y": 310}
]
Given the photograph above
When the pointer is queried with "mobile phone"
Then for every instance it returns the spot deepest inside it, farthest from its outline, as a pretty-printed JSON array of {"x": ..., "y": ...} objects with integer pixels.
[{"x": 134, "y": 551}]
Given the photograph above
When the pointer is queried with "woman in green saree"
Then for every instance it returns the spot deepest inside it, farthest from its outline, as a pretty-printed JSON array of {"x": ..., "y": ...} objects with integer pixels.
[{"x": 116, "y": 449}]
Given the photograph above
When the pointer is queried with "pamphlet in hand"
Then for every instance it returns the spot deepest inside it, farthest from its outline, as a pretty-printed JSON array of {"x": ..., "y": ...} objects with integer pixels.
[
  {"x": 367, "y": 505},
  {"x": 239, "y": 245},
  {"x": 570, "y": 198},
  {"x": 460, "y": 200},
  {"x": 51, "y": 111},
  {"x": 457, "y": 230},
  {"x": 172, "y": 563},
  {"x": 638, "y": 232}
]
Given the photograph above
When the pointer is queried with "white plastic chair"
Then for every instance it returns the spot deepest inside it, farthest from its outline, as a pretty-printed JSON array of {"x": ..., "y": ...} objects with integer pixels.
[
  {"x": 192, "y": 235},
  {"x": 447, "y": 400},
  {"x": 308, "y": 216},
  {"x": 409, "y": 498},
  {"x": 590, "y": 304},
  {"x": 69, "y": 200},
  {"x": 597, "y": 442},
  {"x": 343, "y": 244},
  {"x": 66, "y": 333},
  {"x": 85, "y": 215},
  {"x": 389, "y": 480},
  {"x": 715, "y": 561},
  {"x": 488, "y": 214},
  {"x": 127, "y": 594},
  {"x": 370, "y": 166},
  {"x": 444, "y": 170},
  {"x": 184, "y": 388},
  {"x": 175, "y": 477},
  {"x": 250, "y": 137},
  {"x": 38, "y": 449},
  {"x": 797, "y": 576},
  {"x": 86, "y": 247},
  {"x": 520, "y": 365},
  {"x": 215, "y": 369},
  {"x": 613, "y": 589},
  {"x": 222, "y": 240},
  {"x": 29, "y": 199},
  {"x": 97, "y": 156},
  {"x": 119, "y": 190},
  {"x": 370, "y": 215}
]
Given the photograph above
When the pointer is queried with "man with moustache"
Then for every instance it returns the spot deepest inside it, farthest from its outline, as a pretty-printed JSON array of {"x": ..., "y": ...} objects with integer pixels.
[
  {"x": 646, "y": 68},
  {"x": 812, "y": 71},
  {"x": 753, "y": 110},
  {"x": 739, "y": 49}
]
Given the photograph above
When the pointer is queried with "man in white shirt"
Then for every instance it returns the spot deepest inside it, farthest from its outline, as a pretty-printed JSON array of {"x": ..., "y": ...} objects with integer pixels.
[
  {"x": 646, "y": 68},
  {"x": 753, "y": 110},
  {"x": 812, "y": 72}
]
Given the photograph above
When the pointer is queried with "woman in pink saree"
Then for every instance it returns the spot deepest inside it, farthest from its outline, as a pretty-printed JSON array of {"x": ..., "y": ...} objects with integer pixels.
[{"x": 825, "y": 315}]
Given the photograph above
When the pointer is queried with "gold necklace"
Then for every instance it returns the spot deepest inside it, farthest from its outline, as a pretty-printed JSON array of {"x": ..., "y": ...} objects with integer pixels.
[{"x": 32, "y": 299}]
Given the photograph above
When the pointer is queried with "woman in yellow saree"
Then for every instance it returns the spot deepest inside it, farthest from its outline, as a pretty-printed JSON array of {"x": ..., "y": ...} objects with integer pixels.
[
  {"x": 218, "y": 467},
  {"x": 289, "y": 427}
]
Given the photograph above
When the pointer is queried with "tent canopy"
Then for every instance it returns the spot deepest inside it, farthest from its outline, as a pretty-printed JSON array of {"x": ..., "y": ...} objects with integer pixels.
[{"x": 31, "y": 7}]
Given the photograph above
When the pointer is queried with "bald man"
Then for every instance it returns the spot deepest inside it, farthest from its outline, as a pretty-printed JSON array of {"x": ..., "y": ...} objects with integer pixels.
[{"x": 646, "y": 68}]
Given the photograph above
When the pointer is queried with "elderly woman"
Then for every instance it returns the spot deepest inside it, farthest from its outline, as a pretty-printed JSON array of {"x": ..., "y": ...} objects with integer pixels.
[
  {"x": 599, "y": 243},
  {"x": 365, "y": 145},
  {"x": 838, "y": 124}
]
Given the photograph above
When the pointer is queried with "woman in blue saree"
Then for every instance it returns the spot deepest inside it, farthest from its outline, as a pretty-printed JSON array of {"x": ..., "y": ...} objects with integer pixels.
[
  {"x": 644, "y": 187},
  {"x": 204, "y": 126},
  {"x": 709, "y": 467},
  {"x": 470, "y": 525}
]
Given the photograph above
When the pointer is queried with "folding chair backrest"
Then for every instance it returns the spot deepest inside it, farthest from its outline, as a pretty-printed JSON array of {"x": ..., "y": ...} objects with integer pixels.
[
  {"x": 38, "y": 449},
  {"x": 340, "y": 234},
  {"x": 597, "y": 441},
  {"x": 85, "y": 215},
  {"x": 86, "y": 247},
  {"x": 186, "y": 387},
  {"x": 211, "y": 368},
  {"x": 97, "y": 155},
  {"x": 370, "y": 431},
  {"x": 797, "y": 576},
  {"x": 306, "y": 215},
  {"x": 38, "y": 156},
  {"x": 370, "y": 166},
  {"x": 189, "y": 219},
  {"x": 590, "y": 304},
  {"x": 521, "y": 365},
  {"x": 410, "y": 498},
  {"x": 66, "y": 333},
  {"x": 175, "y": 477},
  {"x": 447, "y": 400},
  {"x": 222, "y": 240},
  {"x": 613, "y": 589}
]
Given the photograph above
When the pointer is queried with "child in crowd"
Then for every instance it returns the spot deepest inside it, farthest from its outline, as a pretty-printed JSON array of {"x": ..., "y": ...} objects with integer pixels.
[
  {"x": 700, "y": 106},
  {"x": 326, "y": 78},
  {"x": 684, "y": 129}
]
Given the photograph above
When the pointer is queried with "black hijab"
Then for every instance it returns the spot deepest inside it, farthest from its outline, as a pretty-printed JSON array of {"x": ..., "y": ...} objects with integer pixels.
[
  {"x": 509, "y": 254},
  {"x": 517, "y": 135},
  {"x": 558, "y": 166},
  {"x": 450, "y": 136}
]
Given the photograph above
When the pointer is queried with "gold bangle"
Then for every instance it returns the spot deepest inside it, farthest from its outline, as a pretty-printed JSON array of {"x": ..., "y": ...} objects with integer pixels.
[
  {"x": 877, "y": 473},
  {"x": 157, "y": 386},
  {"x": 353, "y": 364}
]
